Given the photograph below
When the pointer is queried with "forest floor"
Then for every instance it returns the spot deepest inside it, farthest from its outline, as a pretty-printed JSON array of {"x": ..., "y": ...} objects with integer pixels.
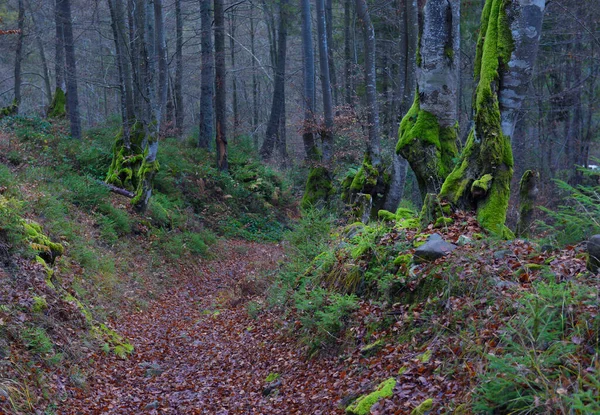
[{"x": 199, "y": 351}]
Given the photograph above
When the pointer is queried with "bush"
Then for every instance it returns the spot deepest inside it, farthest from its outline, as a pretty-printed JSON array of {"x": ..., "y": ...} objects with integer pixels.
[
  {"x": 579, "y": 218},
  {"x": 539, "y": 369}
]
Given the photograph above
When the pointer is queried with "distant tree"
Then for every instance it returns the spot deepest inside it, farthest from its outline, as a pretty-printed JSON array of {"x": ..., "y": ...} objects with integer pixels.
[
  {"x": 308, "y": 54},
  {"x": 220, "y": 86},
  {"x": 207, "y": 77},
  {"x": 19, "y": 55},
  {"x": 178, "y": 87},
  {"x": 64, "y": 10},
  {"x": 277, "y": 105}
]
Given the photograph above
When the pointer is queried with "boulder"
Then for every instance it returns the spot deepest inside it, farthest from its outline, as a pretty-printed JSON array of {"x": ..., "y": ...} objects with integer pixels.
[
  {"x": 593, "y": 248},
  {"x": 434, "y": 248}
]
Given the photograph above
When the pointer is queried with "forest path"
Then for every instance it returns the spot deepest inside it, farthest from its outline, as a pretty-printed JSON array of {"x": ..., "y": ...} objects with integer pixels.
[{"x": 197, "y": 351}]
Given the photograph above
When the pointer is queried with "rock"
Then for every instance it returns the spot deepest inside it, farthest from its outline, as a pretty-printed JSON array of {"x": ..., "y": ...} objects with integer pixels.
[
  {"x": 434, "y": 248},
  {"x": 463, "y": 240},
  {"x": 593, "y": 248},
  {"x": 152, "y": 405},
  {"x": 502, "y": 254}
]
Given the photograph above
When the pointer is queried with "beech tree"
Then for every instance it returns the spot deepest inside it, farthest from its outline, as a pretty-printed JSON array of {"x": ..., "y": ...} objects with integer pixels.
[
  {"x": 506, "y": 52},
  {"x": 64, "y": 11},
  {"x": 428, "y": 133},
  {"x": 134, "y": 163},
  {"x": 220, "y": 86},
  {"x": 207, "y": 77}
]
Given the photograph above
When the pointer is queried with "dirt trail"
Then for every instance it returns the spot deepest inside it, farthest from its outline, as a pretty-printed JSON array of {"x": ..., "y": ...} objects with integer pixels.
[{"x": 198, "y": 352}]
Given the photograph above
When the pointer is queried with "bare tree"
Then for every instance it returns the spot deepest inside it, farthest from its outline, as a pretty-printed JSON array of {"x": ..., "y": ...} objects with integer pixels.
[
  {"x": 207, "y": 77},
  {"x": 220, "y": 86}
]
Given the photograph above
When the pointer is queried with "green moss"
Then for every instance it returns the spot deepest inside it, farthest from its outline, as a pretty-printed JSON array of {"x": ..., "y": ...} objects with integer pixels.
[
  {"x": 487, "y": 152},
  {"x": 403, "y": 259},
  {"x": 386, "y": 215},
  {"x": 366, "y": 177},
  {"x": 272, "y": 377},
  {"x": 58, "y": 106},
  {"x": 318, "y": 188},
  {"x": 373, "y": 348},
  {"x": 482, "y": 185},
  {"x": 10, "y": 110},
  {"x": 405, "y": 213},
  {"x": 41, "y": 243},
  {"x": 430, "y": 149},
  {"x": 425, "y": 357},
  {"x": 443, "y": 221},
  {"x": 362, "y": 406},
  {"x": 423, "y": 408},
  {"x": 39, "y": 305}
]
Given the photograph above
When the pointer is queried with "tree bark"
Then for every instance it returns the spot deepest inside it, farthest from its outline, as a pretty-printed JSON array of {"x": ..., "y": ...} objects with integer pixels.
[
  {"x": 234, "y": 89},
  {"x": 178, "y": 87},
  {"x": 308, "y": 53},
  {"x": 374, "y": 145},
  {"x": 207, "y": 78},
  {"x": 348, "y": 84},
  {"x": 64, "y": 7},
  {"x": 327, "y": 129},
  {"x": 330, "y": 60},
  {"x": 161, "y": 62},
  {"x": 220, "y": 87},
  {"x": 428, "y": 133},
  {"x": 19, "y": 54},
  {"x": 506, "y": 53},
  {"x": 279, "y": 87}
]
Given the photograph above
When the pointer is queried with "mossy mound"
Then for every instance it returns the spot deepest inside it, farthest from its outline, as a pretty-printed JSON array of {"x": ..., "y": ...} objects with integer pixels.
[
  {"x": 362, "y": 406},
  {"x": 318, "y": 188}
]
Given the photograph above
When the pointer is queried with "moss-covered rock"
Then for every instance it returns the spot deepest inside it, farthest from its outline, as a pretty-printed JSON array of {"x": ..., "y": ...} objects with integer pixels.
[
  {"x": 362, "y": 406},
  {"x": 318, "y": 187},
  {"x": 423, "y": 408}
]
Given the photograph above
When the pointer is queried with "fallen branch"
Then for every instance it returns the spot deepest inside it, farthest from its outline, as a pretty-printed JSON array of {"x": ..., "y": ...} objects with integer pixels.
[{"x": 117, "y": 190}]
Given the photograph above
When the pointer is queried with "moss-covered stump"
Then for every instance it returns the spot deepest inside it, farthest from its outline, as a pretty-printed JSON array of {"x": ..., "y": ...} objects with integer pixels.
[
  {"x": 12, "y": 109},
  {"x": 39, "y": 242},
  {"x": 370, "y": 183},
  {"x": 429, "y": 148},
  {"x": 481, "y": 180},
  {"x": 362, "y": 406},
  {"x": 58, "y": 106},
  {"x": 318, "y": 188},
  {"x": 132, "y": 168},
  {"x": 528, "y": 191}
]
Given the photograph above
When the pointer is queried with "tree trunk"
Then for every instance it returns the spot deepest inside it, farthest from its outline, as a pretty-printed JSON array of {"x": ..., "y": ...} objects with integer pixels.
[
  {"x": 178, "y": 87},
  {"x": 234, "y": 92},
  {"x": 254, "y": 79},
  {"x": 374, "y": 145},
  {"x": 161, "y": 62},
  {"x": 40, "y": 46},
  {"x": 19, "y": 54},
  {"x": 279, "y": 87},
  {"x": 327, "y": 129},
  {"x": 207, "y": 78},
  {"x": 506, "y": 53},
  {"x": 308, "y": 52},
  {"x": 428, "y": 133},
  {"x": 330, "y": 44},
  {"x": 220, "y": 87},
  {"x": 348, "y": 84},
  {"x": 64, "y": 7}
]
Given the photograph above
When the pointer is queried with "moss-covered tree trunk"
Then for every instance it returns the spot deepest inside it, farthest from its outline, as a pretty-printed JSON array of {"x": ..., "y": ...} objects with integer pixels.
[
  {"x": 427, "y": 137},
  {"x": 506, "y": 52}
]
